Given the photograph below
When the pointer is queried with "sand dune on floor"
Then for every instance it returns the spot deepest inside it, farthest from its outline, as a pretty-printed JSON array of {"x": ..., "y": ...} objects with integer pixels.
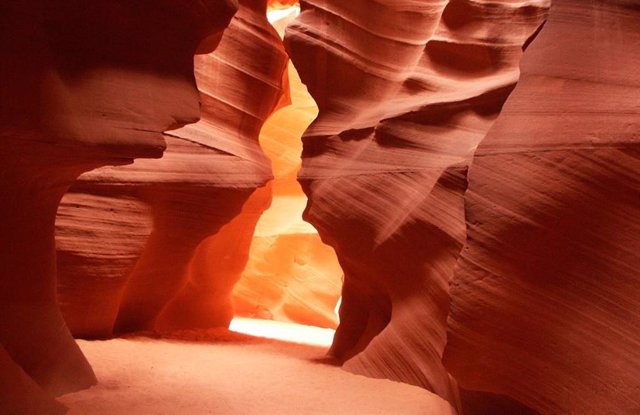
[{"x": 233, "y": 374}]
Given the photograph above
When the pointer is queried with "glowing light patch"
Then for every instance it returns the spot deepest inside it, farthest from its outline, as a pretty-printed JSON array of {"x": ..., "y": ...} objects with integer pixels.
[
  {"x": 289, "y": 332},
  {"x": 336, "y": 310},
  {"x": 284, "y": 217},
  {"x": 278, "y": 14}
]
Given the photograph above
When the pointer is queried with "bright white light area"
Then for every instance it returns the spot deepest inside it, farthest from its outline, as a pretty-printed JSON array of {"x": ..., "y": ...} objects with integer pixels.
[
  {"x": 289, "y": 332},
  {"x": 284, "y": 217},
  {"x": 275, "y": 15}
]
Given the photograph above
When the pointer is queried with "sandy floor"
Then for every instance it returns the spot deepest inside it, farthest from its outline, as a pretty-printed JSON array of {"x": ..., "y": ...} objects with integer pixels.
[{"x": 224, "y": 373}]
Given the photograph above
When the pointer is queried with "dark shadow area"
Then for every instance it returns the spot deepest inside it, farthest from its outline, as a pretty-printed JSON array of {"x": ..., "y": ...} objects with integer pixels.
[{"x": 484, "y": 403}]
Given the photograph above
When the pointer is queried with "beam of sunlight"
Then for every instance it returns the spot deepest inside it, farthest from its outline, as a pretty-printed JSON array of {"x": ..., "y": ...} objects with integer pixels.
[
  {"x": 336, "y": 310},
  {"x": 275, "y": 15},
  {"x": 289, "y": 332}
]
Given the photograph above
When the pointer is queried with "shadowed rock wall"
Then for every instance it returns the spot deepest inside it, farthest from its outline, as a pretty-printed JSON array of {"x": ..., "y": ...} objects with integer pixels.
[
  {"x": 545, "y": 304},
  {"x": 71, "y": 101}
]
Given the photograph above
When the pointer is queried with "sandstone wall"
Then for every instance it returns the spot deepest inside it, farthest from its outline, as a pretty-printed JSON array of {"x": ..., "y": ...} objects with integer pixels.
[
  {"x": 406, "y": 91},
  {"x": 545, "y": 304},
  {"x": 160, "y": 212},
  {"x": 71, "y": 101}
]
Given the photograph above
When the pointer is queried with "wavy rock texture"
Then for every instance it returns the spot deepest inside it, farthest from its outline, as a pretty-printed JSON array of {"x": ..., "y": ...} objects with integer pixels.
[
  {"x": 209, "y": 171},
  {"x": 545, "y": 304},
  {"x": 291, "y": 275},
  {"x": 406, "y": 90},
  {"x": 61, "y": 115},
  {"x": 99, "y": 239},
  {"x": 218, "y": 262}
]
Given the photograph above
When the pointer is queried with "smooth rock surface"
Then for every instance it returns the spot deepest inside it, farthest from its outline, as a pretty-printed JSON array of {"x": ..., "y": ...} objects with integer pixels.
[
  {"x": 213, "y": 373},
  {"x": 83, "y": 85},
  {"x": 20, "y": 394},
  {"x": 291, "y": 275}
]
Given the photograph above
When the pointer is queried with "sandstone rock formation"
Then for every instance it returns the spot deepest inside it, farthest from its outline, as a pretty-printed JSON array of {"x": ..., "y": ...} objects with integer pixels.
[
  {"x": 291, "y": 275},
  {"x": 99, "y": 238},
  {"x": 217, "y": 264},
  {"x": 545, "y": 304},
  {"x": 490, "y": 254},
  {"x": 20, "y": 394},
  {"x": 83, "y": 85},
  {"x": 208, "y": 172},
  {"x": 406, "y": 91}
]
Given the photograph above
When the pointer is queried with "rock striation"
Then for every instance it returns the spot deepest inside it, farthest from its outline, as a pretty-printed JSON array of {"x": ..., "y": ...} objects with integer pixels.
[
  {"x": 291, "y": 275},
  {"x": 159, "y": 213},
  {"x": 71, "y": 101},
  {"x": 406, "y": 91},
  {"x": 545, "y": 304}
]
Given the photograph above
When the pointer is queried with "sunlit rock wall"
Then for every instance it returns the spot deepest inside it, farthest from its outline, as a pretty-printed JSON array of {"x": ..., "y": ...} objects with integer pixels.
[
  {"x": 146, "y": 221},
  {"x": 406, "y": 90},
  {"x": 291, "y": 275},
  {"x": 546, "y": 305}
]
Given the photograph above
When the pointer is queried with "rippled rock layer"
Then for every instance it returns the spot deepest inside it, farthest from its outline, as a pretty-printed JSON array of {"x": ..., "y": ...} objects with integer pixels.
[
  {"x": 406, "y": 91},
  {"x": 83, "y": 85},
  {"x": 546, "y": 306}
]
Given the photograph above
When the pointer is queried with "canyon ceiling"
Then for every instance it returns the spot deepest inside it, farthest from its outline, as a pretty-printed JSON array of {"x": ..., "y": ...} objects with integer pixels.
[{"x": 473, "y": 164}]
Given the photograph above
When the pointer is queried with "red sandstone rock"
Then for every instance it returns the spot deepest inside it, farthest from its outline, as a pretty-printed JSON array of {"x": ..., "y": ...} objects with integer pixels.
[
  {"x": 291, "y": 275},
  {"x": 99, "y": 239},
  {"x": 204, "y": 301},
  {"x": 208, "y": 172},
  {"x": 20, "y": 394},
  {"x": 545, "y": 302},
  {"x": 84, "y": 84},
  {"x": 406, "y": 90}
]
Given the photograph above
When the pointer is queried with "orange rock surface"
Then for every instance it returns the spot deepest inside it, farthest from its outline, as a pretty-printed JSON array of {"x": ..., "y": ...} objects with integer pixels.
[
  {"x": 190, "y": 217},
  {"x": 291, "y": 275},
  {"x": 281, "y": 4},
  {"x": 208, "y": 172}
]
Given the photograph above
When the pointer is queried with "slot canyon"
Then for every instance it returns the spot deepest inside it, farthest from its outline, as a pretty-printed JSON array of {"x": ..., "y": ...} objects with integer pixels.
[{"x": 365, "y": 207}]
